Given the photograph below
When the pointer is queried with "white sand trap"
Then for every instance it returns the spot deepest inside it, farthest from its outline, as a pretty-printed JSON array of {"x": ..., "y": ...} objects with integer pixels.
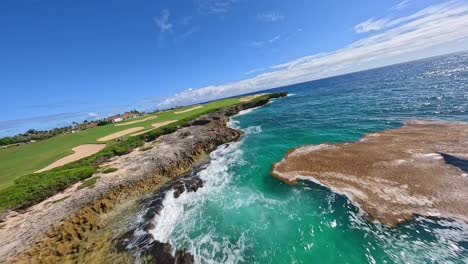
[
  {"x": 188, "y": 110},
  {"x": 249, "y": 98},
  {"x": 121, "y": 133},
  {"x": 142, "y": 132},
  {"x": 80, "y": 152},
  {"x": 160, "y": 124},
  {"x": 136, "y": 121}
]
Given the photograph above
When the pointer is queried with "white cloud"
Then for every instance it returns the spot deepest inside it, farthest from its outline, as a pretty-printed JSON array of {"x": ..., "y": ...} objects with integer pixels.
[
  {"x": 262, "y": 43},
  {"x": 257, "y": 44},
  {"x": 432, "y": 31},
  {"x": 445, "y": 9},
  {"x": 254, "y": 71},
  {"x": 92, "y": 114},
  {"x": 402, "y": 4},
  {"x": 182, "y": 37},
  {"x": 214, "y": 6},
  {"x": 163, "y": 22},
  {"x": 370, "y": 25},
  {"x": 270, "y": 16},
  {"x": 274, "y": 39}
]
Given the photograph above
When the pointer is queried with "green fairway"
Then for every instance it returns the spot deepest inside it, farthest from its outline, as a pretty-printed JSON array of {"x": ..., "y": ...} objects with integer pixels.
[{"x": 28, "y": 158}]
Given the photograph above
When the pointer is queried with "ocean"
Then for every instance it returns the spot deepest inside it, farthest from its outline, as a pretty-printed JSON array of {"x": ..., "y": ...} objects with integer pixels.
[{"x": 244, "y": 215}]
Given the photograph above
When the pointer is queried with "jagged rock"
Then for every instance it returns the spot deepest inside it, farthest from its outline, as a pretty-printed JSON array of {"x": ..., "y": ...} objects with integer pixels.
[{"x": 160, "y": 253}]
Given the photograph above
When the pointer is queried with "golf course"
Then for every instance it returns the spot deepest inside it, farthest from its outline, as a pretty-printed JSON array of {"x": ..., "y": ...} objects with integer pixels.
[{"x": 26, "y": 159}]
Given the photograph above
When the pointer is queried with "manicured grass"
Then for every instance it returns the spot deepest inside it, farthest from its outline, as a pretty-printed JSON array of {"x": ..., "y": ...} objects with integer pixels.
[
  {"x": 25, "y": 159},
  {"x": 33, "y": 188}
]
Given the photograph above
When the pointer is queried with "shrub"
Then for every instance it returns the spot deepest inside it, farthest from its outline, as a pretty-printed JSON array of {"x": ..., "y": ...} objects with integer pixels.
[
  {"x": 34, "y": 188},
  {"x": 146, "y": 148},
  {"x": 109, "y": 170},
  {"x": 89, "y": 183},
  {"x": 103, "y": 123}
]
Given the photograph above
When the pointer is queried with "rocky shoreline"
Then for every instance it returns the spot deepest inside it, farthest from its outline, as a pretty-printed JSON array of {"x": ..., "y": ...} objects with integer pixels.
[
  {"x": 418, "y": 169},
  {"x": 77, "y": 225}
]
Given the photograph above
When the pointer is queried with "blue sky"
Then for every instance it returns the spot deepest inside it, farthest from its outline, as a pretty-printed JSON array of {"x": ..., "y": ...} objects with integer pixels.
[{"x": 64, "y": 60}]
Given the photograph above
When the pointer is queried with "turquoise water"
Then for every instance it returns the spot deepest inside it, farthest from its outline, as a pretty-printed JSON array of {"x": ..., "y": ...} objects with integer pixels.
[{"x": 243, "y": 215}]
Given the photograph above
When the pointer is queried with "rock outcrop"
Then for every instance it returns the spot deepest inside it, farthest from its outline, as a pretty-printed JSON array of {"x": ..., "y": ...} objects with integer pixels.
[
  {"x": 418, "y": 169},
  {"x": 80, "y": 227}
]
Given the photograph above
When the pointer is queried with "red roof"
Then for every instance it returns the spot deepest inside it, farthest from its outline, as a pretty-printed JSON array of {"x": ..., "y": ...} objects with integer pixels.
[
  {"x": 113, "y": 117},
  {"x": 127, "y": 114}
]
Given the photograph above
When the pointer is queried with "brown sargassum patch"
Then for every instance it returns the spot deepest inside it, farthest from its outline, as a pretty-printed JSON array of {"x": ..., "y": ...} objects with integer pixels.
[{"x": 418, "y": 169}]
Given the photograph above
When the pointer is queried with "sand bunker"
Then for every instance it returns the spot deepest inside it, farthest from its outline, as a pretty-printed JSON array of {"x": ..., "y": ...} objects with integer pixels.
[
  {"x": 188, "y": 110},
  {"x": 249, "y": 98},
  {"x": 142, "y": 132},
  {"x": 136, "y": 121},
  {"x": 160, "y": 124},
  {"x": 418, "y": 169},
  {"x": 121, "y": 133},
  {"x": 80, "y": 152}
]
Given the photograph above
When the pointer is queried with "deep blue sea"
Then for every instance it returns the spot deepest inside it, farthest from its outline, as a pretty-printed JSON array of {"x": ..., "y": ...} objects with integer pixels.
[{"x": 243, "y": 215}]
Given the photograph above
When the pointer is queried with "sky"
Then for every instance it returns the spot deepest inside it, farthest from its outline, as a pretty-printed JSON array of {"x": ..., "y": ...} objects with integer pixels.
[{"x": 68, "y": 60}]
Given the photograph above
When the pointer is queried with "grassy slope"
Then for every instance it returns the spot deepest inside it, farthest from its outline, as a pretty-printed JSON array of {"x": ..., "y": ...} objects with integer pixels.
[{"x": 25, "y": 159}]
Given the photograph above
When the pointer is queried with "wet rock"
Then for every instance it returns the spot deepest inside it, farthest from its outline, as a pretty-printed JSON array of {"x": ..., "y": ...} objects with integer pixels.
[
  {"x": 189, "y": 185},
  {"x": 157, "y": 252}
]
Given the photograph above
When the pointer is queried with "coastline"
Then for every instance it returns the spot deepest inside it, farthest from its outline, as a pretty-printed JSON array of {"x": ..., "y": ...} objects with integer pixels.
[{"x": 71, "y": 229}]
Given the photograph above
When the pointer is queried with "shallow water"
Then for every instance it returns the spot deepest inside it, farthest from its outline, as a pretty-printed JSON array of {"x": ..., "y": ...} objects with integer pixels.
[{"x": 243, "y": 215}]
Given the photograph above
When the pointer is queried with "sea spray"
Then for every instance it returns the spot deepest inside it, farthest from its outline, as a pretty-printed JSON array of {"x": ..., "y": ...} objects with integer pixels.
[{"x": 179, "y": 212}]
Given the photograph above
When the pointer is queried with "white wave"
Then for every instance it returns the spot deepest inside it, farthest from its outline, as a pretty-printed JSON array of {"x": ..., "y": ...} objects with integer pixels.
[
  {"x": 209, "y": 250},
  {"x": 166, "y": 220},
  {"x": 253, "y": 130},
  {"x": 290, "y": 94},
  {"x": 177, "y": 217},
  {"x": 246, "y": 111},
  {"x": 233, "y": 123}
]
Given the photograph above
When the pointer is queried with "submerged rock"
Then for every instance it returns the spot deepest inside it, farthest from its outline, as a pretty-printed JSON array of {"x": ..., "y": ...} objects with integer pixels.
[{"x": 418, "y": 169}]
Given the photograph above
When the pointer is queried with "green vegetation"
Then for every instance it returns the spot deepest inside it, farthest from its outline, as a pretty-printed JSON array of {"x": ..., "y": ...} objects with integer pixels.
[
  {"x": 59, "y": 200},
  {"x": 146, "y": 148},
  {"x": 109, "y": 170},
  {"x": 89, "y": 183},
  {"x": 34, "y": 188},
  {"x": 17, "y": 191}
]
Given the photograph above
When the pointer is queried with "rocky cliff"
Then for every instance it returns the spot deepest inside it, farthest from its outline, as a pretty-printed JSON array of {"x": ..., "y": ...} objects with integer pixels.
[{"x": 78, "y": 225}]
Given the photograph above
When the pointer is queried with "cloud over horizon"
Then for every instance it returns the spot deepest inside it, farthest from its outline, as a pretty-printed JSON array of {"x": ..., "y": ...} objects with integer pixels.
[{"x": 428, "y": 29}]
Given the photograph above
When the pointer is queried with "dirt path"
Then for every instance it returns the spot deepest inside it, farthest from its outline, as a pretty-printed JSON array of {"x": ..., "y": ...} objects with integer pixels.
[
  {"x": 188, "y": 110},
  {"x": 137, "y": 121},
  {"x": 82, "y": 151},
  {"x": 121, "y": 133}
]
